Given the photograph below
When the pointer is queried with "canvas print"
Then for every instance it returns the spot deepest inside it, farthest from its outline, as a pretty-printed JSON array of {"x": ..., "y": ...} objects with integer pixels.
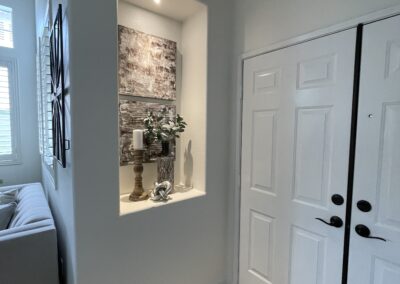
[
  {"x": 147, "y": 65},
  {"x": 131, "y": 115}
]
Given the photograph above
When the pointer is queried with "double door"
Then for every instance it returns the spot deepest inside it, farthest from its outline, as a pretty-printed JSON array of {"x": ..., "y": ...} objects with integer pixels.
[{"x": 320, "y": 190}]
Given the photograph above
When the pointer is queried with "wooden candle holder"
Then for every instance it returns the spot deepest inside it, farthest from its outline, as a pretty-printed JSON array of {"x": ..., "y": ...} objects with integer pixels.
[{"x": 138, "y": 193}]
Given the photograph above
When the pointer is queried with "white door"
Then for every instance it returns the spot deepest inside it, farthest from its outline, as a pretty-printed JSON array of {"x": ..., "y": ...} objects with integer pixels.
[
  {"x": 377, "y": 164},
  {"x": 295, "y": 146}
]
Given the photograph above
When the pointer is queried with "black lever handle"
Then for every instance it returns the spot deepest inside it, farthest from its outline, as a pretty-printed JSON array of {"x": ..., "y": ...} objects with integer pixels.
[
  {"x": 365, "y": 232},
  {"x": 335, "y": 221}
]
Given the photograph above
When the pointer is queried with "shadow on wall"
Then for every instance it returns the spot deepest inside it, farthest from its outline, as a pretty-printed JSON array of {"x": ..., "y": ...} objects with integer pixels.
[{"x": 188, "y": 164}]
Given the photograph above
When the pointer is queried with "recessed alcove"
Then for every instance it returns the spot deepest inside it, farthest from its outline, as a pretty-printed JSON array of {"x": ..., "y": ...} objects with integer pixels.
[{"x": 185, "y": 23}]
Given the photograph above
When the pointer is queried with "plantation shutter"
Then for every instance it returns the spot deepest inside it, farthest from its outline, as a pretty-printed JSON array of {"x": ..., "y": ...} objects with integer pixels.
[
  {"x": 6, "y": 30},
  {"x": 5, "y": 113},
  {"x": 44, "y": 100},
  {"x": 9, "y": 123}
]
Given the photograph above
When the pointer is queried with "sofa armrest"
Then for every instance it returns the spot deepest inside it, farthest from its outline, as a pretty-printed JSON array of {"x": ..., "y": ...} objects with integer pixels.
[
  {"x": 29, "y": 256},
  {"x": 26, "y": 229},
  {"x": 9, "y": 187}
]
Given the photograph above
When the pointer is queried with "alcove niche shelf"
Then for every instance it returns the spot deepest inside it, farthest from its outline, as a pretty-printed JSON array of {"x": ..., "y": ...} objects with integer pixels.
[{"x": 184, "y": 23}]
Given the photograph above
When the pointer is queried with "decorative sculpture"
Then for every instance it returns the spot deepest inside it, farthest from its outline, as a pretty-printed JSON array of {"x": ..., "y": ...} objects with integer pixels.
[{"x": 161, "y": 191}]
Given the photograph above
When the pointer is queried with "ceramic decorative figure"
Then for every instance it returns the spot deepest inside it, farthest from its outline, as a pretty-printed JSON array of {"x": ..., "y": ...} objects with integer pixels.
[{"x": 161, "y": 191}]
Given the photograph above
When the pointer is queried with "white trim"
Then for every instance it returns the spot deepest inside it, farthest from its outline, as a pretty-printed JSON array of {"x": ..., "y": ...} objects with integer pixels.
[
  {"x": 237, "y": 176},
  {"x": 15, "y": 157},
  {"x": 367, "y": 19}
]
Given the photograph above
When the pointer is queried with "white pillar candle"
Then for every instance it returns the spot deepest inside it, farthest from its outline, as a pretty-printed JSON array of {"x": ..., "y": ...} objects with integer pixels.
[{"x": 137, "y": 139}]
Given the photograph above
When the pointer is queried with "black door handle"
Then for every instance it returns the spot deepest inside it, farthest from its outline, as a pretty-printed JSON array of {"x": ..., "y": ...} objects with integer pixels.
[
  {"x": 335, "y": 221},
  {"x": 364, "y": 206},
  {"x": 365, "y": 232},
  {"x": 337, "y": 199}
]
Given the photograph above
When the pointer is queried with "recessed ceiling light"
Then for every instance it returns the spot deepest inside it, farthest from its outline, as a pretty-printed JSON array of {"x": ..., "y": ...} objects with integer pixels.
[{"x": 158, "y": 2}]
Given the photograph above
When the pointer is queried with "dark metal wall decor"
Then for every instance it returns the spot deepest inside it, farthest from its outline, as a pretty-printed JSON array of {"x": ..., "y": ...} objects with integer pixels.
[{"x": 57, "y": 89}]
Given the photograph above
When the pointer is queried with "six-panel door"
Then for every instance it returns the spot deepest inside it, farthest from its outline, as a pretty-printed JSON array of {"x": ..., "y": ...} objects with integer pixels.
[
  {"x": 295, "y": 146},
  {"x": 377, "y": 164}
]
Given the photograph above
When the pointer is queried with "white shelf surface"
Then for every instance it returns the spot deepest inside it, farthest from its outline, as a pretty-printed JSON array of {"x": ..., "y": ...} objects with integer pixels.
[{"x": 127, "y": 207}]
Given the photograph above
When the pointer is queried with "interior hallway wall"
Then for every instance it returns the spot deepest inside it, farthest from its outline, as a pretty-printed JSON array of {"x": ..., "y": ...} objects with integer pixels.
[
  {"x": 24, "y": 51},
  {"x": 259, "y": 23}
]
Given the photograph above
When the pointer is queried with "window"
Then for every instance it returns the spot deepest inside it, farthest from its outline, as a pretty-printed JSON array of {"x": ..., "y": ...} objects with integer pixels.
[
  {"x": 9, "y": 124},
  {"x": 6, "y": 30},
  {"x": 44, "y": 100}
]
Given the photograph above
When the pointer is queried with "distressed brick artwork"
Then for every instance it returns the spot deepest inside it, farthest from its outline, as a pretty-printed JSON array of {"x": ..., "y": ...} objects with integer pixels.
[
  {"x": 147, "y": 65},
  {"x": 131, "y": 115}
]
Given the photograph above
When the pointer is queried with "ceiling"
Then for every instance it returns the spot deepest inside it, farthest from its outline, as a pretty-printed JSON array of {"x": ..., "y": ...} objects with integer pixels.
[{"x": 175, "y": 9}]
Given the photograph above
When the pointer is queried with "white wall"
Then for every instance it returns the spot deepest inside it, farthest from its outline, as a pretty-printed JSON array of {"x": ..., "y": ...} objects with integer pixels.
[
  {"x": 259, "y": 23},
  {"x": 181, "y": 243},
  {"x": 145, "y": 21},
  {"x": 149, "y": 22},
  {"x": 24, "y": 51},
  {"x": 193, "y": 100},
  {"x": 60, "y": 187}
]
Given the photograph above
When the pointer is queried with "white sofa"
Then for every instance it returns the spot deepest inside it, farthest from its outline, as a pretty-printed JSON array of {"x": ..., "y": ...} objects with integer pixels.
[{"x": 28, "y": 248}]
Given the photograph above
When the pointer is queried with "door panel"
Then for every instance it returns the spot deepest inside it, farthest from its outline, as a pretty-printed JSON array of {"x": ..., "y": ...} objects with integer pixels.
[
  {"x": 389, "y": 181},
  {"x": 385, "y": 272},
  {"x": 261, "y": 245},
  {"x": 312, "y": 156},
  {"x": 377, "y": 164},
  {"x": 296, "y": 130},
  {"x": 263, "y": 137},
  {"x": 307, "y": 257}
]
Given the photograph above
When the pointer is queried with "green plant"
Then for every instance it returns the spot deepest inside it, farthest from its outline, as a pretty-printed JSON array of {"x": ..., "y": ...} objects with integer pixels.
[{"x": 160, "y": 127}]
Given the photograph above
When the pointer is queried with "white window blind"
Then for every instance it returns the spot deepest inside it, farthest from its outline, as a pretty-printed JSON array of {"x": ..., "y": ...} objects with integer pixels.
[
  {"x": 39, "y": 101},
  {"x": 9, "y": 126},
  {"x": 5, "y": 114},
  {"x": 6, "y": 29}
]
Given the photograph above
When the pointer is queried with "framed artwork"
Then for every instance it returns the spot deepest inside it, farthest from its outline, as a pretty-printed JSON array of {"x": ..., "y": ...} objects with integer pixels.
[
  {"x": 131, "y": 115},
  {"x": 58, "y": 89},
  {"x": 147, "y": 65}
]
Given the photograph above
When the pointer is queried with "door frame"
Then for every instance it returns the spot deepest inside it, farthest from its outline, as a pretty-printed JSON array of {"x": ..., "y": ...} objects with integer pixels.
[{"x": 238, "y": 105}]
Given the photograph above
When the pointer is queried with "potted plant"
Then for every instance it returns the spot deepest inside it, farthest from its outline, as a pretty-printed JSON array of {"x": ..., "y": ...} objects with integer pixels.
[
  {"x": 164, "y": 128},
  {"x": 161, "y": 128}
]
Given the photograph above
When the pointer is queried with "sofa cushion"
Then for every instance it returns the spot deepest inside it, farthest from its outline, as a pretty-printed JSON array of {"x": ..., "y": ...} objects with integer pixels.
[
  {"x": 6, "y": 212},
  {"x": 31, "y": 206},
  {"x": 8, "y": 196}
]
